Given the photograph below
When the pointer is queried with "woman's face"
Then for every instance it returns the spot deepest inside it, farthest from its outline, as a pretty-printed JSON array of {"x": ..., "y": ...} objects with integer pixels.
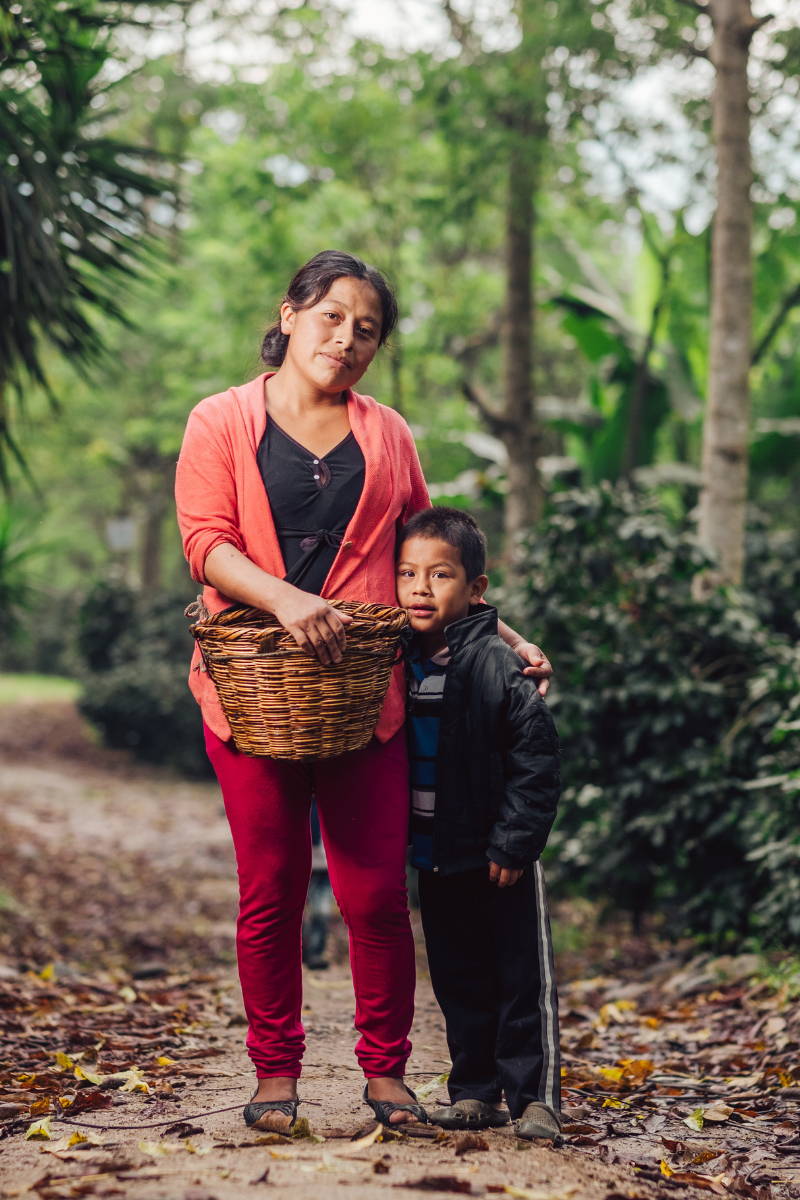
[{"x": 333, "y": 342}]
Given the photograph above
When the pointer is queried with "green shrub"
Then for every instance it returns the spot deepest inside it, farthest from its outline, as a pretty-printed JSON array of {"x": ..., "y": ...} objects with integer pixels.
[
  {"x": 678, "y": 720},
  {"x": 136, "y": 652},
  {"x": 773, "y": 576}
]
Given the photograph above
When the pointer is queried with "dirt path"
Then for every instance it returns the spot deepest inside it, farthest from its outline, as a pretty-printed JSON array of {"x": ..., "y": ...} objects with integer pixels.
[{"x": 118, "y": 1007}]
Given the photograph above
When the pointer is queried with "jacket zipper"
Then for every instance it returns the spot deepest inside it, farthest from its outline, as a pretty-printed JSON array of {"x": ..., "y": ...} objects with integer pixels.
[{"x": 447, "y": 679}]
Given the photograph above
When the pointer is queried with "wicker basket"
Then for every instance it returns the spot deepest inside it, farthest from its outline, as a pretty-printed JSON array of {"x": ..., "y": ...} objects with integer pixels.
[{"x": 282, "y": 703}]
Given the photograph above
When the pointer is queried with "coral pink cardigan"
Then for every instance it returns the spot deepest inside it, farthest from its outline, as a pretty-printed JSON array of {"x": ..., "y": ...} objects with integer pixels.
[{"x": 220, "y": 498}]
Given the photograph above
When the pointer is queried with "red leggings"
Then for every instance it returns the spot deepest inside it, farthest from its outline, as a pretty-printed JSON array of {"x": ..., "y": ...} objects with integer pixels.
[{"x": 362, "y": 798}]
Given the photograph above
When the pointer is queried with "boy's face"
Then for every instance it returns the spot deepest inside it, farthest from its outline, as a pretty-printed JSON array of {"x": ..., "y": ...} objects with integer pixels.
[{"x": 433, "y": 588}]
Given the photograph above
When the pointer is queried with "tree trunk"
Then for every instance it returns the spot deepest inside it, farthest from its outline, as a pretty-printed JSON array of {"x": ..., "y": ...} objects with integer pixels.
[
  {"x": 519, "y": 111},
  {"x": 152, "y": 529},
  {"x": 520, "y": 432},
  {"x": 723, "y": 496}
]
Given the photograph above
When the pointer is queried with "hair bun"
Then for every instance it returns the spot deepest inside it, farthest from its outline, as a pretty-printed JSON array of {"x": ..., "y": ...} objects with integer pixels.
[{"x": 273, "y": 347}]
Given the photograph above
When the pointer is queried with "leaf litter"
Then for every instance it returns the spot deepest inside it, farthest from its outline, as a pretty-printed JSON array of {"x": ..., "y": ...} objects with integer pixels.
[
  {"x": 676, "y": 1045},
  {"x": 683, "y": 1069}
]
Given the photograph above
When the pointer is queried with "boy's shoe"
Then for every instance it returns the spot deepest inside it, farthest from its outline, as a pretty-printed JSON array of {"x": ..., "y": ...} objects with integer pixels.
[
  {"x": 468, "y": 1114},
  {"x": 539, "y": 1123}
]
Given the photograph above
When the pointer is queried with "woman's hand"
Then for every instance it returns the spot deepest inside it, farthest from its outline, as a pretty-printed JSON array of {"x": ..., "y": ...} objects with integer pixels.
[
  {"x": 537, "y": 664},
  {"x": 536, "y": 661},
  {"x": 315, "y": 626}
]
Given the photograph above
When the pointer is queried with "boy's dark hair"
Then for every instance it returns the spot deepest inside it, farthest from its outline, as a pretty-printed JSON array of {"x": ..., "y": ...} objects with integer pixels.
[{"x": 455, "y": 527}]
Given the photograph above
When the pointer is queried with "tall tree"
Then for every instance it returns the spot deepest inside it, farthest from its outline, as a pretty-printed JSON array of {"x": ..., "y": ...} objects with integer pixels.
[
  {"x": 515, "y": 135},
  {"x": 723, "y": 497},
  {"x": 71, "y": 197}
]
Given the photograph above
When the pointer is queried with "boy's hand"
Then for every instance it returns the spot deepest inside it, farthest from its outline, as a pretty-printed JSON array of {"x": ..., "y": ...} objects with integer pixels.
[{"x": 503, "y": 876}]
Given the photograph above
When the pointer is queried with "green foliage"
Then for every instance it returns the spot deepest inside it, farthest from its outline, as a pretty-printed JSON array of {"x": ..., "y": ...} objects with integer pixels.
[
  {"x": 773, "y": 575},
  {"x": 678, "y": 720},
  {"x": 72, "y": 197},
  {"x": 18, "y": 548},
  {"x": 136, "y": 652}
]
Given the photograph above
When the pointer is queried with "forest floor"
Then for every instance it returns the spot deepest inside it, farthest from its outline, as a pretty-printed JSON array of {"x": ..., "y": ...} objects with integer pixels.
[{"x": 122, "y": 1067}]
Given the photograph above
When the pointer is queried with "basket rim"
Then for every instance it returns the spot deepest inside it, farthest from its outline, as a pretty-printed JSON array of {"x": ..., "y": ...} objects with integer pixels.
[{"x": 241, "y": 617}]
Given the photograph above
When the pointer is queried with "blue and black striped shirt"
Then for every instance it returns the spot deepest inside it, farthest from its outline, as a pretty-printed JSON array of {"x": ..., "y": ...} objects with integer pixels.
[{"x": 425, "y": 693}]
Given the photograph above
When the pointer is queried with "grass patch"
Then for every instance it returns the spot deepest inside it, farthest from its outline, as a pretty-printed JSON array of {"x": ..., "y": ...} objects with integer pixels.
[{"x": 25, "y": 689}]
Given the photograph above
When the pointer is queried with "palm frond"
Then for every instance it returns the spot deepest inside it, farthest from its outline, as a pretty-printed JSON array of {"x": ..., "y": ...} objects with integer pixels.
[{"x": 73, "y": 198}]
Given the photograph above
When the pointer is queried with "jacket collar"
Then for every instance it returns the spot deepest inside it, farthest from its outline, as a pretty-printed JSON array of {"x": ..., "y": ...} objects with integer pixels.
[{"x": 481, "y": 622}]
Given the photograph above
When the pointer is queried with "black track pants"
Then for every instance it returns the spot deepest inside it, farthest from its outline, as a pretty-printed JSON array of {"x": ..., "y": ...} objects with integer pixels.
[{"x": 491, "y": 963}]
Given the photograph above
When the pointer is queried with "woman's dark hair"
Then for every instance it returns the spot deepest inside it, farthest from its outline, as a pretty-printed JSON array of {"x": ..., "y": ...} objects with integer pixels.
[
  {"x": 454, "y": 526},
  {"x": 312, "y": 282}
]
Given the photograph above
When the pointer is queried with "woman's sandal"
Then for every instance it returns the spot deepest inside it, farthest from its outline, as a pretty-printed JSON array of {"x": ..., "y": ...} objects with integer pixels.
[
  {"x": 384, "y": 1109},
  {"x": 256, "y": 1109}
]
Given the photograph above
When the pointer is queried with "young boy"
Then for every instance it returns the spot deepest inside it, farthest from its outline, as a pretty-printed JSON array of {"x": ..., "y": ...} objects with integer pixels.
[{"x": 485, "y": 784}]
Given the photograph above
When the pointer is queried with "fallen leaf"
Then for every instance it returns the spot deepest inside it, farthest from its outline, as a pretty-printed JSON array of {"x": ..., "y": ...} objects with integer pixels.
[
  {"x": 134, "y": 1081},
  {"x": 706, "y": 1183},
  {"x": 88, "y": 1076},
  {"x": 615, "y": 1013},
  {"x": 717, "y": 1111},
  {"x": 182, "y": 1129},
  {"x": 361, "y": 1142},
  {"x": 695, "y": 1119},
  {"x": 636, "y": 1069},
  {"x": 86, "y": 1100},
  {"x": 160, "y": 1149},
  {"x": 439, "y": 1183},
  {"x": 39, "y": 1130},
  {"x": 613, "y": 1074},
  {"x": 302, "y": 1130},
  {"x": 704, "y": 1156},
  {"x": 541, "y": 1193},
  {"x": 77, "y": 1139},
  {"x": 426, "y": 1090},
  {"x": 64, "y": 1061},
  {"x": 469, "y": 1141}
]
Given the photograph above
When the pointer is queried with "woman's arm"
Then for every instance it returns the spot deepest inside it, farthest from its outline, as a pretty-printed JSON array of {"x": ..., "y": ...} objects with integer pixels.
[
  {"x": 315, "y": 626},
  {"x": 538, "y": 664},
  {"x": 205, "y": 494}
]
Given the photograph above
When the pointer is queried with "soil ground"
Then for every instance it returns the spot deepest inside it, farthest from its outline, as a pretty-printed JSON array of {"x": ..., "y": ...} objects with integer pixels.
[{"x": 121, "y": 1022}]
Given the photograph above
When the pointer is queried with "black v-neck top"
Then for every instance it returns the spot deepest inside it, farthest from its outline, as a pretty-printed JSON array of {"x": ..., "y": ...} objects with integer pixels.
[{"x": 312, "y": 500}]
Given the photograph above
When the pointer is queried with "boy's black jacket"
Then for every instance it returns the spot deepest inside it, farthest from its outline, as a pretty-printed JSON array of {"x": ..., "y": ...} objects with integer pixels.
[{"x": 497, "y": 772}]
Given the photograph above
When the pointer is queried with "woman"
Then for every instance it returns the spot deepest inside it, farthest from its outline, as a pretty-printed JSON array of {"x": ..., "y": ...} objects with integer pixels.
[{"x": 287, "y": 488}]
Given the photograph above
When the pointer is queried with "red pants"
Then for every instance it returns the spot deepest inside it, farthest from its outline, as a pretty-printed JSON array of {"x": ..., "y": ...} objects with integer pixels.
[{"x": 362, "y": 799}]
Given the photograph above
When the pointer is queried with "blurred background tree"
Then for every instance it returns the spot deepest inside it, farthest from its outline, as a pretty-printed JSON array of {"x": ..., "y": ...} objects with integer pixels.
[
  {"x": 72, "y": 195},
  {"x": 540, "y": 183}
]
